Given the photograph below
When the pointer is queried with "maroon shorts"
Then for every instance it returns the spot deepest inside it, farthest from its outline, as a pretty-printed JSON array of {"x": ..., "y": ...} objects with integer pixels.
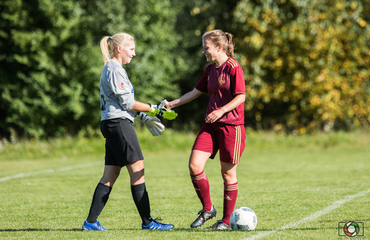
[{"x": 229, "y": 139}]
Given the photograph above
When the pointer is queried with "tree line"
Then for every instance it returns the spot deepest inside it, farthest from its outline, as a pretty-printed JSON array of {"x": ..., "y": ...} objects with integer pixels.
[{"x": 306, "y": 63}]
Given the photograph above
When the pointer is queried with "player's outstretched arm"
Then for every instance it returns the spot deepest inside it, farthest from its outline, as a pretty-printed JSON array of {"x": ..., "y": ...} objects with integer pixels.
[
  {"x": 187, "y": 97},
  {"x": 152, "y": 110},
  {"x": 141, "y": 107}
]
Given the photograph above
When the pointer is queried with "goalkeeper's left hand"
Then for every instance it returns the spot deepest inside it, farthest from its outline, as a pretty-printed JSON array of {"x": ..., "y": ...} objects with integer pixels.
[
  {"x": 153, "y": 124},
  {"x": 161, "y": 111}
]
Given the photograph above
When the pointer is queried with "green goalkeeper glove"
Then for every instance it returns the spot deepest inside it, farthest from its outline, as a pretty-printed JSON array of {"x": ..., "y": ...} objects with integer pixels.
[
  {"x": 161, "y": 111},
  {"x": 168, "y": 114}
]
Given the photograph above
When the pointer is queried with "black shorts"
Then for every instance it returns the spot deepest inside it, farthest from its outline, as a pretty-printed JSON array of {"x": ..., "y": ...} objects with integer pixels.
[{"x": 121, "y": 145}]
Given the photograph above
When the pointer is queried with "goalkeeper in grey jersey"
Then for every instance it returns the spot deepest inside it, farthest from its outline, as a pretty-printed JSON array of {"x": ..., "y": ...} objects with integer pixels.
[{"x": 118, "y": 111}]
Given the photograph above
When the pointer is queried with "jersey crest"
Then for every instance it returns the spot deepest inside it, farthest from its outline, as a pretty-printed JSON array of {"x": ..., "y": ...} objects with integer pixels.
[{"x": 222, "y": 78}]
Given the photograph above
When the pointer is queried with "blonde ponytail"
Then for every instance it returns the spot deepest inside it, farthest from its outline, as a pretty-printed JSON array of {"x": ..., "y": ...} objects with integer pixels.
[
  {"x": 109, "y": 49},
  {"x": 104, "y": 49}
]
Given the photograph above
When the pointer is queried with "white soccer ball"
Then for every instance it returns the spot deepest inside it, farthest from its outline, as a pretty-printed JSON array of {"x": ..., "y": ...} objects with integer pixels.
[{"x": 243, "y": 218}]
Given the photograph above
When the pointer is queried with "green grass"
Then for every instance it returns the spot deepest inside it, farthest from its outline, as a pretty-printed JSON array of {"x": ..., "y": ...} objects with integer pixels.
[{"x": 283, "y": 178}]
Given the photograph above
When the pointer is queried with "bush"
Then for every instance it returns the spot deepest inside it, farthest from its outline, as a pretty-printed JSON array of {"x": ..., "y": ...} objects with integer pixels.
[
  {"x": 306, "y": 63},
  {"x": 51, "y": 63}
]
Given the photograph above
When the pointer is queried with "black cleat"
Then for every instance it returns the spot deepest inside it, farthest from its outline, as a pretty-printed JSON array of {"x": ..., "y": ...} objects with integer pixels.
[
  {"x": 219, "y": 225},
  {"x": 203, "y": 217}
]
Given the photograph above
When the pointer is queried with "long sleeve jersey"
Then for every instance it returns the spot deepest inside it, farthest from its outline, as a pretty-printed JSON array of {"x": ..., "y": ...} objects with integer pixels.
[{"x": 116, "y": 92}]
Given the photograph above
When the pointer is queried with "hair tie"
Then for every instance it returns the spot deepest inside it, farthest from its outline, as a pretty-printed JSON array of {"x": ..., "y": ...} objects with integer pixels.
[{"x": 110, "y": 38}]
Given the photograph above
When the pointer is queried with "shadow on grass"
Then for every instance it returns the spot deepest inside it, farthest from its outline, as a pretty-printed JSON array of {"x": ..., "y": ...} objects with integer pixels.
[
  {"x": 40, "y": 230},
  {"x": 173, "y": 230},
  {"x": 80, "y": 230}
]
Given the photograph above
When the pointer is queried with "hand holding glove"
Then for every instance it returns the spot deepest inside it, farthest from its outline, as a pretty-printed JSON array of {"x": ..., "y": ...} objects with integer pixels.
[
  {"x": 161, "y": 111},
  {"x": 153, "y": 124}
]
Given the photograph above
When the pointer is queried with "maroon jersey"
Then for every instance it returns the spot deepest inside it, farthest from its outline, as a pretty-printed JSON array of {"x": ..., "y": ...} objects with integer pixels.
[{"x": 221, "y": 84}]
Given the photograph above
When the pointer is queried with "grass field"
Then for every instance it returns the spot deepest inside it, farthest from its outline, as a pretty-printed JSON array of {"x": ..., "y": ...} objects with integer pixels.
[{"x": 300, "y": 187}]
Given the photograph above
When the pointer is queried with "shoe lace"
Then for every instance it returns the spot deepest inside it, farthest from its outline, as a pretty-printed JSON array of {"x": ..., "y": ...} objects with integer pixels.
[
  {"x": 201, "y": 211},
  {"x": 157, "y": 219}
]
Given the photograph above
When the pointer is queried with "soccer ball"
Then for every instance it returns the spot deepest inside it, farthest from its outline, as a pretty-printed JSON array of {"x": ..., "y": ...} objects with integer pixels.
[{"x": 243, "y": 218}]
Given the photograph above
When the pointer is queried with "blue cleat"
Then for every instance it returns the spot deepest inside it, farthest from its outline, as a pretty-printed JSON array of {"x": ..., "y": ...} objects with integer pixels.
[
  {"x": 154, "y": 225},
  {"x": 93, "y": 226}
]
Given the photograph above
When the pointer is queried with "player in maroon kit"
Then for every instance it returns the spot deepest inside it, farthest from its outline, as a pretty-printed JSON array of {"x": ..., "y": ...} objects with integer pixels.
[{"x": 223, "y": 128}]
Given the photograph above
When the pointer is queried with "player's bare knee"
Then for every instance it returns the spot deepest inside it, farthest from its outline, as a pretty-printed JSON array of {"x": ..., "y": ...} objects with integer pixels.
[
  {"x": 194, "y": 168},
  {"x": 229, "y": 179}
]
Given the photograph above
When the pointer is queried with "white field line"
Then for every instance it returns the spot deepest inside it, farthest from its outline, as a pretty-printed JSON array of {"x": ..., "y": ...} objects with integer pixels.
[
  {"x": 62, "y": 169},
  {"x": 313, "y": 216}
]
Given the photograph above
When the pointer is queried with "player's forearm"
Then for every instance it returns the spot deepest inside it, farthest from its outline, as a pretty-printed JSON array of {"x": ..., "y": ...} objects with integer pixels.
[
  {"x": 187, "y": 97},
  {"x": 237, "y": 100},
  {"x": 141, "y": 107}
]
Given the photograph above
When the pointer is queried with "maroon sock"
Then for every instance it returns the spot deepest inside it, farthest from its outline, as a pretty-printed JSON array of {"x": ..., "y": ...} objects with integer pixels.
[
  {"x": 201, "y": 186},
  {"x": 230, "y": 195}
]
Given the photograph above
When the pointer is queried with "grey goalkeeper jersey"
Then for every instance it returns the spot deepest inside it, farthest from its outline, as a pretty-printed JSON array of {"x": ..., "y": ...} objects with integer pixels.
[{"x": 116, "y": 93}]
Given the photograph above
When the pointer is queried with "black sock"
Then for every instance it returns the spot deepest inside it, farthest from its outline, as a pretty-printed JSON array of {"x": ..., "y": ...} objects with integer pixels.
[
  {"x": 141, "y": 199},
  {"x": 100, "y": 198}
]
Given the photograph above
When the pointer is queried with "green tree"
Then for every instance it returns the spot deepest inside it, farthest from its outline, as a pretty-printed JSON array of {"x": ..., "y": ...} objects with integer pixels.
[
  {"x": 46, "y": 70},
  {"x": 50, "y": 60},
  {"x": 306, "y": 63}
]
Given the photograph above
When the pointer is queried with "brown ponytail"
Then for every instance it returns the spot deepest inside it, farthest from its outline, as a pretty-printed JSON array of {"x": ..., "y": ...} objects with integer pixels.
[
  {"x": 230, "y": 47},
  {"x": 218, "y": 37}
]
